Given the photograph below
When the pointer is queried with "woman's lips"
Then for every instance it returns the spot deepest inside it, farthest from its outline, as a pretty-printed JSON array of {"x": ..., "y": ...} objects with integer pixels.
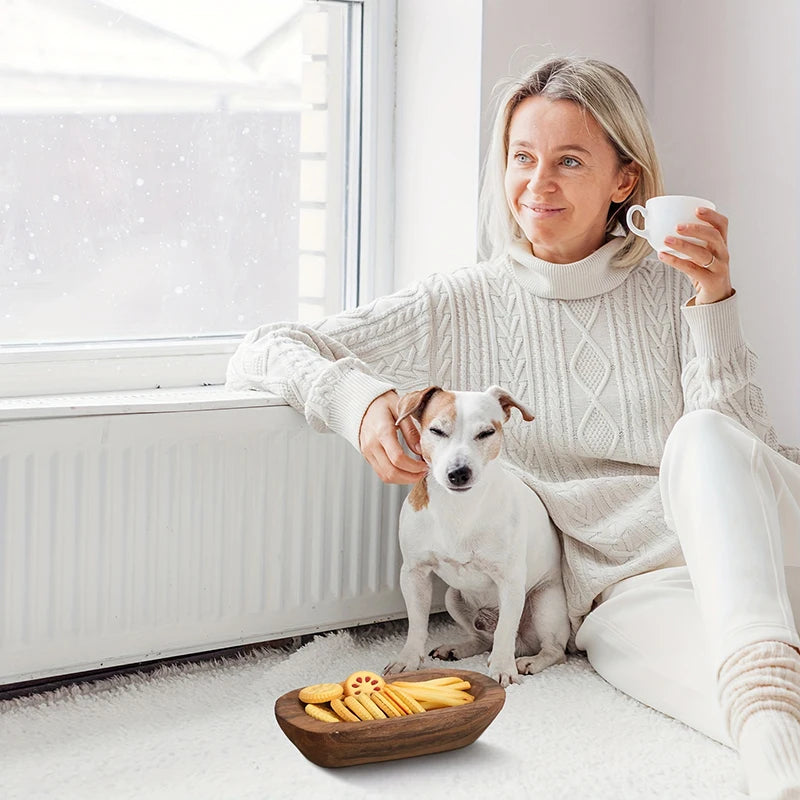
[{"x": 542, "y": 211}]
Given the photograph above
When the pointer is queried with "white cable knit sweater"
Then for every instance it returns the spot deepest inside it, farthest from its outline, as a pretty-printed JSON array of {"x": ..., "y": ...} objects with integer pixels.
[{"x": 608, "y": 358}]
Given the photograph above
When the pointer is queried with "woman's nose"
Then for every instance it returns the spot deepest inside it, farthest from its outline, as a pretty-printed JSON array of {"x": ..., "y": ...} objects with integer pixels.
[{"x": 540, "y": 180}]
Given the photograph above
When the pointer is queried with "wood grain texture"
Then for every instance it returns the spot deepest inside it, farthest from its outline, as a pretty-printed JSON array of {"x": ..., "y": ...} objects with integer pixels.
[{"x": 344, "y": 744}]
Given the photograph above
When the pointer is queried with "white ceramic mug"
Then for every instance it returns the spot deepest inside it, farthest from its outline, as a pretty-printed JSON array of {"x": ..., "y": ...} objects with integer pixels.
[{"x": 661, "y": 216}]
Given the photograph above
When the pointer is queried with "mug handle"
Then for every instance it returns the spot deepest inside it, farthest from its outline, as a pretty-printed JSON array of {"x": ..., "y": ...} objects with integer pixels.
[{"x": 629, "y": 220}]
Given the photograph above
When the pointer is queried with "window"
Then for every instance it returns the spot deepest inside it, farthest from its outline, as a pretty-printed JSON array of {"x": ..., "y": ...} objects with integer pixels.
[{"x": 172, "y": 175}]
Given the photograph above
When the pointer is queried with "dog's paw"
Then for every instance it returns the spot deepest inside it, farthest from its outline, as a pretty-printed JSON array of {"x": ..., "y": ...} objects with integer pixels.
[
  {"x": 530, "y": 665},
  {"x": 402, "y": 665},
  {"x": 504, "y": 671},
  {"x": 459, "y": 650},
  {"x": 505, "y": 677},
  {"x": 447, "y": 652}
]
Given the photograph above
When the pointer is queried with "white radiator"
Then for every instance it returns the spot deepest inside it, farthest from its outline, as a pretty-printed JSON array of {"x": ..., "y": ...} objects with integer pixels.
[{"x": 137, "y": 536}]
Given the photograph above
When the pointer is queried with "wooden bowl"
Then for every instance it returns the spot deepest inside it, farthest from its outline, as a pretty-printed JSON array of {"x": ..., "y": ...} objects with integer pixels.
[{"x": 344, "y": 744}]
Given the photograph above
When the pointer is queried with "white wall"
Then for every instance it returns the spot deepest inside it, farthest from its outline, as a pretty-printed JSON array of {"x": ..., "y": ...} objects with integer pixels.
[
  {"x": 727, "y": 124},
  {"x": 517, "y": 33},
  {"x": 450, "y": 55},
  {"x": 437, "y": 136},
  {"x": 722, "y": 86}
]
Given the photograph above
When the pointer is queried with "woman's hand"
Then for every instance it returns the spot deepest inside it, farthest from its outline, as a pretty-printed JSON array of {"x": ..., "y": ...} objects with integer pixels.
[
  {"x": 709, "y": 267},
  {"x": 380, "y": 446}
]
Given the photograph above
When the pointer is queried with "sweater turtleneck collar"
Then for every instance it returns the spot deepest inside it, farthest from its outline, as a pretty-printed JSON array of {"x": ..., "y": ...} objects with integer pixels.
[{"x": 589, "y": 277}]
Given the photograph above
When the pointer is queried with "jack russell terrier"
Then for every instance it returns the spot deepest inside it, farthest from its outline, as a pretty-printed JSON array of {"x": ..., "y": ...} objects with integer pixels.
[{"x": 486, "y": 534}]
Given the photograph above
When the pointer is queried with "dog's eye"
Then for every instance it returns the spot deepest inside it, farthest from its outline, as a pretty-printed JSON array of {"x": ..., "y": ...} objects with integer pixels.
[
  {"x": 485, "y": 434},
  {"x": 437, "y": 432}
]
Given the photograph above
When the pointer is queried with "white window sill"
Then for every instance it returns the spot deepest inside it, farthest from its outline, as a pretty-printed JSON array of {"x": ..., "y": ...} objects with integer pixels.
[{"x": 151, "y": 401}]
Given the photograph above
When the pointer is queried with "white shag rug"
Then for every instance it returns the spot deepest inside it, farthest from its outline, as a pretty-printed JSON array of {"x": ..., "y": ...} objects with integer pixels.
[{"x": 208, "y": 731}]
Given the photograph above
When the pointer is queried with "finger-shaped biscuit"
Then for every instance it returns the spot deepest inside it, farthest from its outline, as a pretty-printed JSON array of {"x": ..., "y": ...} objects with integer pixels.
[
  {"x": 394, "y": 703},
  {"x": 343, "y": 712},
  {"x": 413, "y": 705},
  {"x": 385, "y": 704},
  {"x": 367, "y": 702},
  {"x": 321, "y": 693},
  {"x": 354, "y": 704},
  {"x": 392, "y": 694},
  {"x": 321, "y": 713}
]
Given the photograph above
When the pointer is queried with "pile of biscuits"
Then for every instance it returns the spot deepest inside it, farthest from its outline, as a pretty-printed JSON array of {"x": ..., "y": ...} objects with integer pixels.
[{"x": 365, "y": 696}]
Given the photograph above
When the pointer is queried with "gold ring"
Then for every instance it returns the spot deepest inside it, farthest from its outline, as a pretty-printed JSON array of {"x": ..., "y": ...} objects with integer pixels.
[{"x": 713, "y": 259}]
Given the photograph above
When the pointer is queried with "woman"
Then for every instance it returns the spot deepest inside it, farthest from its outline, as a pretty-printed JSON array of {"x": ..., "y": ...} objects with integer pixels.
[{"x": 651, "y": 448}]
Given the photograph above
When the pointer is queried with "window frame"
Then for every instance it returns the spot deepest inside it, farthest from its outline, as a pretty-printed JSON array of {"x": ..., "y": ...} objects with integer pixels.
[{"x": 29, "y": 370}]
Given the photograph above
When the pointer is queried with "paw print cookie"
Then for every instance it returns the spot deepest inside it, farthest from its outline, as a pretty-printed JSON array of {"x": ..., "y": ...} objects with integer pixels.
[{"x": 363, "y": 682}]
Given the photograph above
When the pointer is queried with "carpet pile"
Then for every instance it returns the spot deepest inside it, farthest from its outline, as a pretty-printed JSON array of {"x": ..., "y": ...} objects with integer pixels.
[{"x": 207, "y": 730}]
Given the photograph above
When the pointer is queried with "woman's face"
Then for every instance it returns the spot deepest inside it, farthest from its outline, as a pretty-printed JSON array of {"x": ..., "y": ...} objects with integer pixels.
[{"x": 562, "y": 174}]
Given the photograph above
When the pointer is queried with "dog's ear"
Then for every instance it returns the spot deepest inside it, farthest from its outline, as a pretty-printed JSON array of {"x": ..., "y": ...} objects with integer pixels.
[
  {"x": 507, "y": 402},
  {"x": 413, "y": 403}
]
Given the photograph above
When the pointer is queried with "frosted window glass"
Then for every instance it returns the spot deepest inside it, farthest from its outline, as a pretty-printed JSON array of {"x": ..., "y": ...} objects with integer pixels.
[{"x": 151, "y": 157}]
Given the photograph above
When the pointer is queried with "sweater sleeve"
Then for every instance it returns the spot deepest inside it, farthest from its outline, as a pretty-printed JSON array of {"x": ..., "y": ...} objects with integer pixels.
[
  {"x": 718, "y": 370},
  {"x": 333, "y": 369}
]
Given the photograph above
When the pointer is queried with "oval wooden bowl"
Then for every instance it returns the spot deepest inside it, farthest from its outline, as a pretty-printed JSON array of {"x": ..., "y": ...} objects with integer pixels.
[{"x": 344, "y": 744}]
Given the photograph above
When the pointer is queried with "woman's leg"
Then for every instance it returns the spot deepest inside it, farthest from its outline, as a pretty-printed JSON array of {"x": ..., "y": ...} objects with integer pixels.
[
  {"x": 646, "y": 638},
  {"x": 735, "y": 506}
]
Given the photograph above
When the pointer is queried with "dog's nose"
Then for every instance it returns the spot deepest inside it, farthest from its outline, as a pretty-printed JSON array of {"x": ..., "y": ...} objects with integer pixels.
[{"x": 459, "y": 476}]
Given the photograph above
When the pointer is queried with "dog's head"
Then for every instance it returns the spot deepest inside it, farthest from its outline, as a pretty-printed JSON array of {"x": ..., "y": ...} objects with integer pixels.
[{"x": 460, "y": 432}]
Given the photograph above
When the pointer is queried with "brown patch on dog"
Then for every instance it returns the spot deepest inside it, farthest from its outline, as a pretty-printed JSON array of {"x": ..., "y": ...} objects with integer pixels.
[
  {"x": 418, "y": 497},
  {"x": 440, "y": 404},
  {"x": 507, "y": 402},
  {"x": 413, "y": 404}
]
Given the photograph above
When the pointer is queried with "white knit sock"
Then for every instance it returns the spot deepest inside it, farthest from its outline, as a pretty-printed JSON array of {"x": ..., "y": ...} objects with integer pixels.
[{"x": 759, "y": 692}]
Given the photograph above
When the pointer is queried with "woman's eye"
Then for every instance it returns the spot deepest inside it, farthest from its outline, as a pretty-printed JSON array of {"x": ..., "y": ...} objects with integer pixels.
[
  {"x": 569, "y": 161},
  {"x": 521, "y": 158},
  {"x": 485, "y": 434},
  {"x": 437, "y": 432}
]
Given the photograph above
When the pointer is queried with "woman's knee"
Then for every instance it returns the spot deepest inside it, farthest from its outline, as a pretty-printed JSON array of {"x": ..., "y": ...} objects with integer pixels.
[
  {"x": 700, "y": 441},
  {"x": 699, "y": 428},
  {"x": 649, "y": 642}
]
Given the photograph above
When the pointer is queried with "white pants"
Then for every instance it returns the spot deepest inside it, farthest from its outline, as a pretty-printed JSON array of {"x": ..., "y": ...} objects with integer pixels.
[{"x": 662, "y": 636}]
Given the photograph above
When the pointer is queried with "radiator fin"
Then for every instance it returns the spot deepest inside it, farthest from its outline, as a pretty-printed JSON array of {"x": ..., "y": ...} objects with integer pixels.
[{"x": 128, "y": 537}]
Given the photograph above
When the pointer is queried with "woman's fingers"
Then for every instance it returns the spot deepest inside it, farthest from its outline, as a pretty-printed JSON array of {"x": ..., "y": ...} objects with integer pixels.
[
  {"x": 711, "y": 284},
  {"x": 391, "y": 463},
  {"x": 411, "y": 435},
  {"x": 713, "y": 243},
  {"x": 717, "y": 220},
  {"x": 702, "y": 255},
  {"x": 688, "y": 267},
  {"x": 381, "y": 447},
  {"x": 396, "y": 465},
  {"x": 706, "y": 233},
  {"x": 707, "y": 264}
]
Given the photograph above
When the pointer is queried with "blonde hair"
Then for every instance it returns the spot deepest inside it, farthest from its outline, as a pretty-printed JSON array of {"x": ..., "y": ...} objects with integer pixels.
[{"x": 608, "y": 95}]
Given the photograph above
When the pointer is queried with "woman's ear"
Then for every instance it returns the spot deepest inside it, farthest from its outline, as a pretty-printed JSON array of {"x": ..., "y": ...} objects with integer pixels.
[{"x": 628, "y": 178}]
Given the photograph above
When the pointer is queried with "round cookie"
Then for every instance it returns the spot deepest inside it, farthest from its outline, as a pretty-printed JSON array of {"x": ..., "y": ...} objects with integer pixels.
[
  {"x": 321, "y": 693},
  {"x": 363, "y": 682}
]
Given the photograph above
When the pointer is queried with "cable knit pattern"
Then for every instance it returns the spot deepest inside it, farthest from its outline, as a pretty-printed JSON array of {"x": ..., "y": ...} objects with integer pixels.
[{"x": 608, "y": 358}]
